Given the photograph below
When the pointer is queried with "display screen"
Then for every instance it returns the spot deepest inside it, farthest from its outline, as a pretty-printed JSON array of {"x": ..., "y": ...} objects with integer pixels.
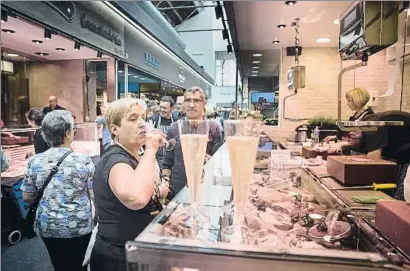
[{"x": 262, "y": 97}]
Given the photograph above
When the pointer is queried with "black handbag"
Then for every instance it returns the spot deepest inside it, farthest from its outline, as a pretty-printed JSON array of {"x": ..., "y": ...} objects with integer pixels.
[{"x": 31, "y": 215}]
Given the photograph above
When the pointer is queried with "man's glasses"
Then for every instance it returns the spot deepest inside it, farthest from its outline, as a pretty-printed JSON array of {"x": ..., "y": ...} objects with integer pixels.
[{"x": 194, "y": 101}]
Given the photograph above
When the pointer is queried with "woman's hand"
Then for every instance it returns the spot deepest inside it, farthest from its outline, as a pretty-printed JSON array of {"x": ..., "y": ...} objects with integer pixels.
[
  {"x": 154, "y": 140},
  {"x": 334, "y": 148},
  {"x": 163, "y": 189},
  {"x": 329, "y": 138}
]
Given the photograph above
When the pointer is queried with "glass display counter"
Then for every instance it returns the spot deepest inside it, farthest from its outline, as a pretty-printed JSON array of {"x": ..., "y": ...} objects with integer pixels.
[
  {"x": 277, "y": 239},
  {"x": 85, "y": 141}
]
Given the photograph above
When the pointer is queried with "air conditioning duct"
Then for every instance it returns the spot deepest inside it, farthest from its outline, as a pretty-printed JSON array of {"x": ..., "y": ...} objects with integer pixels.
[{"x": 368, "y": 27}]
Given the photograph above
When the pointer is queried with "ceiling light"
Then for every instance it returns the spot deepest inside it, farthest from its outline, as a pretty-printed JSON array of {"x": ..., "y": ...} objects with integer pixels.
[
  {"x": 322, "y": 40},
  {"x": 256, "y": 62},
  {"x": 253, "y": 75},
  {"x": 130, "y": 74},
  {"x": 255, "y": 71},
  {"x": 135, "y": 76},
  {"x": 47, "y": 33},
  {"x": 255, "y": 68},
  {"x": 77, "y": 45},
  {"x": 281, "y": 26},
  {"x": 257, "y": 55},
  {"x": 142, "y": 78},
  {"x": 4, "y": 15},
  {"x": 60, "y": 49},
  {"x": 290, "y": 3},
  {"x": 42, "y": 54},
  {"x": 120, "y": 71},
  {"x": 37, "y": 41},
  {"x": 337, "y": 21},
  {"x": 275, "y": 42},
  {"x": 99, "y": 54},
  {"x": 229, "y": 48},
  {"x": 8, "y": 31},
  {"x": 15, "y": 55}
]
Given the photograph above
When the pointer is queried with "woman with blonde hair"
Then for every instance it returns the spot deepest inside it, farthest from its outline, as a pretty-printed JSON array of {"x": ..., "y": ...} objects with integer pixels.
[
  {"x": 357, "y": 100},
  {"x": 126, "y": 197}
]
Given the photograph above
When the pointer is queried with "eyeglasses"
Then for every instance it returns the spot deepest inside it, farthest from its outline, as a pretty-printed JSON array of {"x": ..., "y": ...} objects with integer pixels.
[{"x": 194, "y": 101}]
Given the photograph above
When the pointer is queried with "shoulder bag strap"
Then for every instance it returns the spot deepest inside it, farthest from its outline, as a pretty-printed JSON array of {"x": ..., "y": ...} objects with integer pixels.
[{"x": 50, "y": 176}]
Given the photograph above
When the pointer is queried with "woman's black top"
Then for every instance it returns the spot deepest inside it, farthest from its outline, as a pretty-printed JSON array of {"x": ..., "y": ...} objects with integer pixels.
[
  {"x": 116, "y": 223},
  {"x": 40, "y": 144},
  {"x": 368, "y": 111}
]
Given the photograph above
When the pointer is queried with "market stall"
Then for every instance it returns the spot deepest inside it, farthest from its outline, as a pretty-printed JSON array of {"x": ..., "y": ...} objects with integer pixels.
[{"x": 295, "y": 218}]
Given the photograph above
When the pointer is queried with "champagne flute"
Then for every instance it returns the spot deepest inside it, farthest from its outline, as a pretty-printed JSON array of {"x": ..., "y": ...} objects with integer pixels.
[
  {"x": 194, "y": 138},
  {"x": 242, "y": 137}
]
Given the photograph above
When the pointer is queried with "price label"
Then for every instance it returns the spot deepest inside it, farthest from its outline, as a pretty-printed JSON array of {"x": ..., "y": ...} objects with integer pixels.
[{"x": 281, "y": 155}]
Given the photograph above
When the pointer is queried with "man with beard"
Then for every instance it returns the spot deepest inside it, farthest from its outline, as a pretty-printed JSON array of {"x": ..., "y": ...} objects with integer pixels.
[
  {"x": 173, "y": 168},
  {"x": 163, "y": 121}
]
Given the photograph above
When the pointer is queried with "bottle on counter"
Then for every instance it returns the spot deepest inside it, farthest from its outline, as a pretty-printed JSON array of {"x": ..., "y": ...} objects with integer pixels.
[{"x": 316, "y": 134}]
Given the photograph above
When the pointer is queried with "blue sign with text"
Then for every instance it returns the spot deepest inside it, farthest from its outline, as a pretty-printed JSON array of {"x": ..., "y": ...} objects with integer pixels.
[{"x": 151, "y": 61}]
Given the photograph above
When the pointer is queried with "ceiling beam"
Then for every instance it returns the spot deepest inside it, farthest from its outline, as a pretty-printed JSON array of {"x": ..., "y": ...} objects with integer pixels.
[
  {"x": 159, "y": 3},
  {"x": 175, "y": 11}
]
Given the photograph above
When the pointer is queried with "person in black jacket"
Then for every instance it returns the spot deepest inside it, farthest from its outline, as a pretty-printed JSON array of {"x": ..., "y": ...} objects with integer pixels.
[
  {"x": 34, "y": 118},
  {"x": 52, "y": 105}
]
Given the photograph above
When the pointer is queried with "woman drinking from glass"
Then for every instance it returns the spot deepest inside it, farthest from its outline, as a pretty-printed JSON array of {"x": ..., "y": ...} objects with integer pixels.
[{"x": 124, "y": 186}]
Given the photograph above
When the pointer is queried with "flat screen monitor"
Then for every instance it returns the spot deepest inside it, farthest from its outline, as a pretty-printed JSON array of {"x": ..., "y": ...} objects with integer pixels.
[{"x": 262, "y": 97}]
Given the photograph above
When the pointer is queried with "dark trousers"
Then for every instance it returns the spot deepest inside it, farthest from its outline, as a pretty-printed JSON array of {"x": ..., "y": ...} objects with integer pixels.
[
  {"x": 67, "y": 254},
  {"x": 99, "y": 262}
]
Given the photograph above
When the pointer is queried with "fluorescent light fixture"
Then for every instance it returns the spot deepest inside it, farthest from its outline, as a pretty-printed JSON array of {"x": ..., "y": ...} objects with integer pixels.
[
  {"x": 256, "y": 62},
  {"x": 14, "y": 55},
  {"x": 120, "y": 71},
  {"x": 323, "y": 40},
  {"x": 255, "y": 68},
  {"x": 257, "y": 55},
  {"x": 253, "y": 75}
]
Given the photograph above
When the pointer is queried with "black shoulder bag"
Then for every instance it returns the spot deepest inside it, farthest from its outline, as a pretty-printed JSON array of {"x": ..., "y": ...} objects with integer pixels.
[{"x": 31, "y": 215}]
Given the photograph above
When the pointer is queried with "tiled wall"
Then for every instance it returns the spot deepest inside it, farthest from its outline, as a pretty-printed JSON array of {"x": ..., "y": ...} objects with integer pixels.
[
  {"x": 319, "y": 97},
  {"x": 65, "y": 79}
]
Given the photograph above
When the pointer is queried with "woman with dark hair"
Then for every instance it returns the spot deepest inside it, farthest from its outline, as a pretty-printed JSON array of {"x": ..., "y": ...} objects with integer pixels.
[{"x": 35, "y": 118}]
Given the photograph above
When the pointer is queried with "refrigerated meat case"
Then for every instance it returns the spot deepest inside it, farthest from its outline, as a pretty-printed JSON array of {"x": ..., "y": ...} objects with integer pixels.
[{"x": 154, "y": 249}]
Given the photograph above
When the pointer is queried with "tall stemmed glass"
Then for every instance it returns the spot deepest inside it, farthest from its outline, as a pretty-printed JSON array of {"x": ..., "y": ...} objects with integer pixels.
[
  {"x": 194, "y": 140},
  {"x": 242, "y": 138}
]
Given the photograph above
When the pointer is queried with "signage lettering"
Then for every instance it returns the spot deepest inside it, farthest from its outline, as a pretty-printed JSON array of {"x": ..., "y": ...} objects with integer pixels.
[
  {"x": 181, "y": 75},
  {"x": 150, "y": 60},
  {"x": 100, "y": 30}
]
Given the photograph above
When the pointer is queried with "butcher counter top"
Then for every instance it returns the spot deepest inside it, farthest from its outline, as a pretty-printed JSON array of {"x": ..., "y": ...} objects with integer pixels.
[{"x": 168, "y": 238}]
